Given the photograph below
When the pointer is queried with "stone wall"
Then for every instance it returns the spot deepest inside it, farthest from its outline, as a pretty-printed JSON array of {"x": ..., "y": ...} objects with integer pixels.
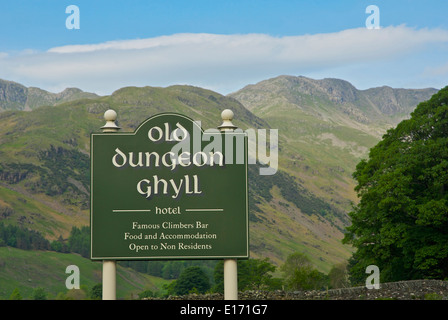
[{"x": 402, "y": 290}]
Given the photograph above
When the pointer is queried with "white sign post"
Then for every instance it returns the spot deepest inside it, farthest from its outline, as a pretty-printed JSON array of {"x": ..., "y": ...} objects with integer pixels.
[
  {"x": 110, "y": 266},
  {"x": 230, "y": 265}
]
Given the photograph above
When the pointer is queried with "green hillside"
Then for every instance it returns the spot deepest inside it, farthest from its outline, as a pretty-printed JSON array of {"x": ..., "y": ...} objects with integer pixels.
[
  {"x": 27, "y": 270},
  {"x": 45, "y": 175}
]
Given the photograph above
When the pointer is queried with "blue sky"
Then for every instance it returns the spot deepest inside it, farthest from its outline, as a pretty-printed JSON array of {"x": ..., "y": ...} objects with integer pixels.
[{"x": 222, "y": 45}]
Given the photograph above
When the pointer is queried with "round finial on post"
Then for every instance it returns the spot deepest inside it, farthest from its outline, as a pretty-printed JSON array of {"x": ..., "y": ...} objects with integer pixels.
[
  {"x": 227, "y": 117},
  {"x": 110, "y": 116}
]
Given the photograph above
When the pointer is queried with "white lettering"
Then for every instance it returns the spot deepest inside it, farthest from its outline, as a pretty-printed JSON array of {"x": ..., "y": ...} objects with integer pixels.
[
  {"x": 150, "y": 135},
  {"x": 148, "y": 188},
  {"x": 183, "y": 133},
  {"x": 203, "y": 156},
  {"x": 175, "y": 188},
  {"x": 178, "y": 134},
  {"x": 162, "y": 186},
  {"x": 173, "y": 161},
  {"x": 123, "y": 158},
  {"x": 131, "y": 160}
]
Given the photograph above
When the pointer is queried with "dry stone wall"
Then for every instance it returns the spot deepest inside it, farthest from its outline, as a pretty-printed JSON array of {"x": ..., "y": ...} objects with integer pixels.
[{"x": 402, "y": 290}]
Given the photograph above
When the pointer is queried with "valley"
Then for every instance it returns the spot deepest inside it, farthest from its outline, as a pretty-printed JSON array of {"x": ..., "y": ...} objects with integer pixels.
[{"x": 325, "y": 128}]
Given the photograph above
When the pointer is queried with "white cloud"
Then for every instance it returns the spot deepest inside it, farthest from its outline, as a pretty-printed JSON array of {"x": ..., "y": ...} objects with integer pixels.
[{"x": 220, "y": 62}]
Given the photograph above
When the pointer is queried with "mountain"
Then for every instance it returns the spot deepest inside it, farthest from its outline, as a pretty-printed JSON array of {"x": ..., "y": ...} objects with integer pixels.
[
  {"x": 14, "y": 96},
  {"x": 333, "y": 101},
  {"x": 325, "y": 127}
]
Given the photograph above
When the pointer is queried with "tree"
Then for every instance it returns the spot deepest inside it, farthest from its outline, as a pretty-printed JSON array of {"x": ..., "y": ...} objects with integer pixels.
[
  {"x": 79, "y": 241},
  {"x": 96, "y": 293},
  {"x": 256, "y": 274},
  {"x": 146, "y": 294},
  {"x": 306, "y": 278},
  {"x": 299, "y": 273},
  {"x": 338, "y": 276},
  {"x": 191, "y": 279},
  {"x": 252, "y": 274},
  {"x": 171, "y": 270},
  {"x": 39, "y": 294},
  {"x": 15, "y": 295},
  {"x": 77, "y": 294},
  {"x": 401, "y": 221},
  {"x": 294, "y": 261},
  {"x": 22, "y": 238},
  {"x": 59, "y": 245}
]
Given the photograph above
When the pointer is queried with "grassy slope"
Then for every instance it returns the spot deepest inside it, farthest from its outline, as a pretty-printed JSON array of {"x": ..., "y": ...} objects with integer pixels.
[
  {"x": 27, "y": 270},
  {"x": 284, "y": 229},
  {"x": 32, "y": 211}
]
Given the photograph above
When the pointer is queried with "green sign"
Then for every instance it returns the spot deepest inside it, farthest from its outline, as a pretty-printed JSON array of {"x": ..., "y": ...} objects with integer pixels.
[{"x": 169, "y": 190}]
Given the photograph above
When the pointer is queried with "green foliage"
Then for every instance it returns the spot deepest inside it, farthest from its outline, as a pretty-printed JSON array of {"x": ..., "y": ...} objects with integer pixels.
[
  {"x": 169, "y": 269},
  {"x": 260, "y": 187},
  {"x": 257, "y": 274},
  {"x": 433, "y": 296},
  {"x": 15, "y": 295},
  {"x": 78, "y": 294},
  {"x": 79, "y": 241},
  {"x": 252, "y": 274},
  {"x": 306, "y": 278},
  {"x": 16, "y": 172},
  {"x": 146, "y": 294},
  {"x": 66, "y": 174},
  {"x": 357, "y": 271},
  {"x": 22, "y": 238},
  {"x": 192, "y": 279},
  {"x": 401, "y": 221},
  {"x": 6, "y": 211},
  {"x": 60, "y": 245},
  {"x": 299, "y": 274},
  {"x": 338, "y": 276},
  {"x": 63, "y": 165},
  {"x": 96, "y": 293},
  {"x": 82, "y": 293},
  {"x": 39, "y": 294}
]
